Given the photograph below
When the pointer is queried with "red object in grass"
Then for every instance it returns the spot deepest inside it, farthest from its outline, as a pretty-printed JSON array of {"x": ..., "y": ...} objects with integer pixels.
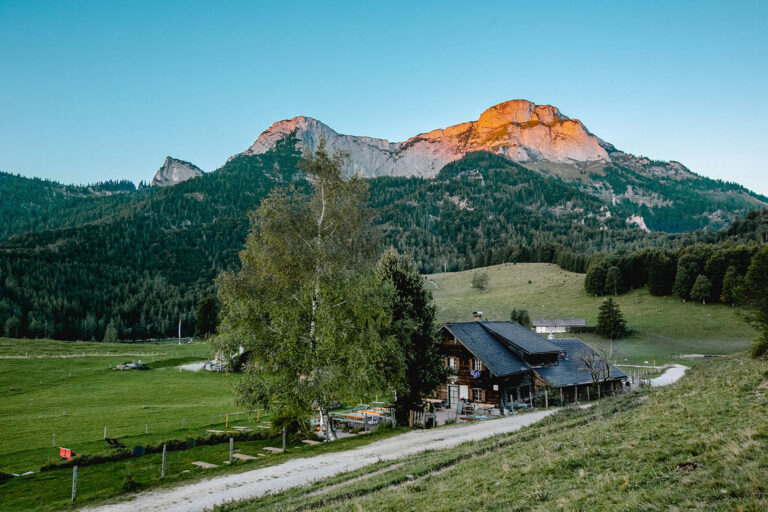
[{"x": 66, "y": 453}]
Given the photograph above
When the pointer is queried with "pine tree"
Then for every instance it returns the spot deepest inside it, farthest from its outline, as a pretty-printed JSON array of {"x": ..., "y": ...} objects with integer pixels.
[
  {"x": 610, "y": 321},
  {"x": 110, "y": 334},
  {"x": 206, "y": 316},
  {"x": 521, "y": 316},
  {"x": 702, "y": 289},
  {"x": 414, "y": 325},
  {"x": 613, "y": 281}
]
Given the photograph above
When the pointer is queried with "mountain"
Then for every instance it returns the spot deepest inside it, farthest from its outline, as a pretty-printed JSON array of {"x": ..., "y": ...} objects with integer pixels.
[
  {"x": 540, "y": 138},
  {"x": 174, "y": 171},
  {"x": 518, "y": 130},
  {"x": 74, "y": 259}
]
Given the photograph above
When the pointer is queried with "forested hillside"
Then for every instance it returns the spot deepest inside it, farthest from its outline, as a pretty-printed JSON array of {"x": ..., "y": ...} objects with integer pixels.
[{"x": 75, "y": 259}]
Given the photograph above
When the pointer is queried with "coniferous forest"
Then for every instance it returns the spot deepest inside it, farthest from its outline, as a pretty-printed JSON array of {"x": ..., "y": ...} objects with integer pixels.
[{"x": 76, "y": 261}]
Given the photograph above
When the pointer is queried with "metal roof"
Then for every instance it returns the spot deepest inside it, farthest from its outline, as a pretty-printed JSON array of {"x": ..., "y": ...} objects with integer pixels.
[
  {"x": 523, "y": 338},
  {"x": 571, "y": 371},
  {"x": 490, "y": 351},
  {"x": 559, "y": 322}
]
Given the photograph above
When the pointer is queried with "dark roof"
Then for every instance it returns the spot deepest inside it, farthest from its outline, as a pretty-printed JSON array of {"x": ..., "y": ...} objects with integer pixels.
[
  {"x": 525, "y": 339},
  {"x": 570, "y": 370},
  {"x": 491, "y": 352},
  {"x": 559, "y": 322}
]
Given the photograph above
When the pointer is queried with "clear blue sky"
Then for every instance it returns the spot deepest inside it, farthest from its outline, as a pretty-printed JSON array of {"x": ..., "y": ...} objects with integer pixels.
[{"x": 97, "y": 90}]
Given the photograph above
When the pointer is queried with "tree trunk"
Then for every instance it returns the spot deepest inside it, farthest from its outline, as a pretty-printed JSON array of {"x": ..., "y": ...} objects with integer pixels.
[{"x": 330, "y": 434}]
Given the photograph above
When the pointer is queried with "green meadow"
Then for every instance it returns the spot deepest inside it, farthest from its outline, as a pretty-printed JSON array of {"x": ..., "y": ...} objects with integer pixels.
[
  {"x": 700, "y": 444},
  {"x": 663, "y": 327}
]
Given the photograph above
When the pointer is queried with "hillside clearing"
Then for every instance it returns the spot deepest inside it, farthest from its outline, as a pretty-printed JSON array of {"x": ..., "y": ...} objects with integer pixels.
[{"x": 664, "y": 326}]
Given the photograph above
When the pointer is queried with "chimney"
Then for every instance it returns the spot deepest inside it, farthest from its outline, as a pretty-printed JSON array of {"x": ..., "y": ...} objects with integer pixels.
[{"x": 477, "y": 316}]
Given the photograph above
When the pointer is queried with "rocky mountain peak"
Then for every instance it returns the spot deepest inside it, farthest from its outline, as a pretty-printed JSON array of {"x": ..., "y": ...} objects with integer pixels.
[
  {"x": 174, "y": 171},
  {"x": 519, "y": 130}
]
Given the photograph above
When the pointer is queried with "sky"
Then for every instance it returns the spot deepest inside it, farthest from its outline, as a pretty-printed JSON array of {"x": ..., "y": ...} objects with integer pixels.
[{"x": 94, "y": 90}]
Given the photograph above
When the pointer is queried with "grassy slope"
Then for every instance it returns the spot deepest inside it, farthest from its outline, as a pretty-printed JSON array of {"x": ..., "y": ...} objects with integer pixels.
[
  {"x": 665, "y": 325},
  {"x": 622, "y": 454}
]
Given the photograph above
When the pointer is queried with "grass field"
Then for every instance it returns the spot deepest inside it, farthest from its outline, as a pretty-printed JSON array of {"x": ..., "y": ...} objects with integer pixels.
[
  {"x": 68, "y": 388},
  {"x": 664, "y": 326},
  {"x": 701, "y": 444}
]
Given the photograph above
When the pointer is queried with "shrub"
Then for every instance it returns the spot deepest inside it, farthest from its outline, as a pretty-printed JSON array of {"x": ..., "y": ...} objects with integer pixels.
[
  {"x": 129, "y": 484},
  {"x": 760, "y": 346}
]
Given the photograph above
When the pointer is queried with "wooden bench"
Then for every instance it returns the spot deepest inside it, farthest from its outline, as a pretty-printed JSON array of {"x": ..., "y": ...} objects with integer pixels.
[
  {"x": 204, "y": 465},
  {"x": 310, "y": 441},
  {"x": 215, "y": 431},
  {"x": 242, "y": 456},
  {"x": 273, "y": 450}
]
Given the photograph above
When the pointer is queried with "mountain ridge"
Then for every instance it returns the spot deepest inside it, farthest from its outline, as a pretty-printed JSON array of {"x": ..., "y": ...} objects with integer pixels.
[{"x": 517, "y": 129}]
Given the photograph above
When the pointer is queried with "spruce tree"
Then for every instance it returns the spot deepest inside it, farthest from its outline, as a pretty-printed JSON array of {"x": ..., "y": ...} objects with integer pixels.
[
  {"x": 415, "y": 327},
  {"x": 610, "y": 321},
  {"x": 702, "y": 289}
]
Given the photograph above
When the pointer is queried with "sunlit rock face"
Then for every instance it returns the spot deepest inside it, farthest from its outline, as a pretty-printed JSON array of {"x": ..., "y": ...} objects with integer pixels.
[
  {"x": 518, "y": 130},
  {"x": 174, "y": 172}
]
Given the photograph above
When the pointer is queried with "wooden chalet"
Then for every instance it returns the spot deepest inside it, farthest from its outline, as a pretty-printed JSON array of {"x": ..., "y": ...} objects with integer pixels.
[{"x": 497, "y": 363}]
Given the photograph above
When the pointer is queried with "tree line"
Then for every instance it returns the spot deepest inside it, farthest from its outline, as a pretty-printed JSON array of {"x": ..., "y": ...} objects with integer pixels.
[{"x": 704, "y": 273}]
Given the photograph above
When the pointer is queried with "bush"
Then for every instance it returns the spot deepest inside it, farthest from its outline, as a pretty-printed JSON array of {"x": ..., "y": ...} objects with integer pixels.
[
  {"x": 760, "y": 347},
  {"x": 129, "y": 484},
  {"x": 4, "y": 477},
  {"x": 480, "y": 281}
]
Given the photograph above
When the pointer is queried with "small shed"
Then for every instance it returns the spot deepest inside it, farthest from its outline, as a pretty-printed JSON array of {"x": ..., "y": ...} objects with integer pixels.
[{"x": 553, "y": 325}]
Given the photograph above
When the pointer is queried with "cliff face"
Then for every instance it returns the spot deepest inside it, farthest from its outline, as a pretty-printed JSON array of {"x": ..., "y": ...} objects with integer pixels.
[
  {"x": 174, "y": 171},
  {"x": 519, "y": 130}
]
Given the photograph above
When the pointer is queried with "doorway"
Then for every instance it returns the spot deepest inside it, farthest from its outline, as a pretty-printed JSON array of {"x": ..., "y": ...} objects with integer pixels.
[{"x": 453, "y": 396}]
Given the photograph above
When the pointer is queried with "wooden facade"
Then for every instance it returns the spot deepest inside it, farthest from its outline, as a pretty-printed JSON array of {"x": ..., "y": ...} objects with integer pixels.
[{"x": 473, "y": 387}]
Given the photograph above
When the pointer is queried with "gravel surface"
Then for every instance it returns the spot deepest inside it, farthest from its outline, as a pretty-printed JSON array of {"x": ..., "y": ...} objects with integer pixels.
[{"x": 297, "y": 472}]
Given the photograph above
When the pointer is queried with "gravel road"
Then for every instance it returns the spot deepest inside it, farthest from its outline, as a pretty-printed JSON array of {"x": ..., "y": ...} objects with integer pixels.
[
  {"x": 205, "y": 494},
  {"x": 302, "y": 471}
]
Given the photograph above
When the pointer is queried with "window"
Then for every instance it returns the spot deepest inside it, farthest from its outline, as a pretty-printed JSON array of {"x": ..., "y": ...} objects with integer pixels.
[
  {"x": 477, "y": 395},
  {"x": 477, "y": 365},
  {"x": 451, "y": 362}
]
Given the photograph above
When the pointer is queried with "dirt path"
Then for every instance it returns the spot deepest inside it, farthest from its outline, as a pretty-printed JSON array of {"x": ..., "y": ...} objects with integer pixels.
[
  {"x": 302, "y": 471},
  {"x": 670, "y": 376}
]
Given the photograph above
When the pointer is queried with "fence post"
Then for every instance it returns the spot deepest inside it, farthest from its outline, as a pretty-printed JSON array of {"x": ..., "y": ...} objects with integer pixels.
[
  {"x": 162, "y": 471},
  {"x": 146, "y": 428},
  {"x": 105, "y": 432},
  {"x": 232, "y": 445},
  {"x": 283, "y": 438},
  {"x": 182, "y": 423},
  {"x": 588, "y": 393},
  {"x": 561, "y": 397},
  {"x": 74, "y": 483},
  {"x": 546, "y": 399}
]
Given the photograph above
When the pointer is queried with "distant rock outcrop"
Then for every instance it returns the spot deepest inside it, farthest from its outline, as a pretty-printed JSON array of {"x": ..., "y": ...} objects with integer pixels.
[
  {"x": 175, "y": 171},
  {"x": 518, "y": 129}
]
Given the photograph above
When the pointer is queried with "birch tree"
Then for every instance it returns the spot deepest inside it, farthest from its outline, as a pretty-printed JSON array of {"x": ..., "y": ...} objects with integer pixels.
[{"x": 306, "y": 307}]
